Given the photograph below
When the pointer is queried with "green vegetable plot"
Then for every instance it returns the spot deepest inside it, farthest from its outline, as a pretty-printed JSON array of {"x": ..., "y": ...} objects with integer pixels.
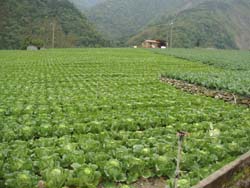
[
  {"x": 81, "y": 117},
  {"x": 217, "y": 69}
]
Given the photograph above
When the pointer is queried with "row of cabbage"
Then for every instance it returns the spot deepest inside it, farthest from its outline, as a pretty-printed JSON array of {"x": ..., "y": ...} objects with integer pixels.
[
  {"x": 78, "y": 118},
  {"x": 223, "y": 69},
  {"x": 225, "y": 59}
]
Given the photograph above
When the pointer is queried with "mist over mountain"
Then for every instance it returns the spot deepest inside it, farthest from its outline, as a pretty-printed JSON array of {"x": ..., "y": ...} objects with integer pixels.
[{"x": 85, "y": 4}]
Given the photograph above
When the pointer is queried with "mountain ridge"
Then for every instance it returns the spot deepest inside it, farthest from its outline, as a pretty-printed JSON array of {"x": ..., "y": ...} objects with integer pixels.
[
  {"x": 27, "y": 22},
  {"x": 121, "y": 19},
  {"x": 197, "y": 23},
  {"x": 218, "y": 24},
  {"x": 128, "y": 21}
]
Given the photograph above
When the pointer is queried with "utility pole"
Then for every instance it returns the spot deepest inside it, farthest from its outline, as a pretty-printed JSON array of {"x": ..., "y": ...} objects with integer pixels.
[
  {"x": 167, "y": 40},
  {"x": 171, "y": 34},
  {"x": 53, "y": 34}
]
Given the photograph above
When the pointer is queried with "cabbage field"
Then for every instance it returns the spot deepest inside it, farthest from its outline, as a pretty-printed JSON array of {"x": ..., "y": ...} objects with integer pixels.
[
  {"x": 217, "y": 69},
  {"x": 79, "y": 118}
]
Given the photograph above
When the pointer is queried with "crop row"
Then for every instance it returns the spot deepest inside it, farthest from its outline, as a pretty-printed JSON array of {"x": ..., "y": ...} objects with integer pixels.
[
  {"x": 225, "y": 59},
  {"x": 80, "y": 117},
  {"x": 216, "y": 69}
]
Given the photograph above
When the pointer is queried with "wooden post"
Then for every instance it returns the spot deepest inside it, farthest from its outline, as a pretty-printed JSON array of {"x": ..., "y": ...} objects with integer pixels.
[{"x": 181, "y": 136}]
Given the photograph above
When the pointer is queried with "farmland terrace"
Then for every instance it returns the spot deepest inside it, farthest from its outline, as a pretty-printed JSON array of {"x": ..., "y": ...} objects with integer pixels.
[{"x": 89, "y": 117}]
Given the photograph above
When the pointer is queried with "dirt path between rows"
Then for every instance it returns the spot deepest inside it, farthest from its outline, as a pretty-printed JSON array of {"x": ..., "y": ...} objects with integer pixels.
[{"x": 196, "y": 89}]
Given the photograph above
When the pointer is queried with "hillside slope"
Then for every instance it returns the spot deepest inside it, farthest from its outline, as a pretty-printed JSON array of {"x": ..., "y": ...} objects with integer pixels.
[
  {"x": 215, "y": 23},
  {"x": 30, "y": 21},
  {"x": 202, "y": 23},
  {"x": 119, "y": 19}
]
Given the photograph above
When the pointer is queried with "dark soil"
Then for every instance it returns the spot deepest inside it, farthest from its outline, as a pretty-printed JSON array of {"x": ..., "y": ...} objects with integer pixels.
[
  {"x": 150, "y": 183},
  {"x": 143, "y": 183},
  {"x": 243, "y": 183},
  {"x": 218, "y": 94},
  {"x": 242, "y": 179}
]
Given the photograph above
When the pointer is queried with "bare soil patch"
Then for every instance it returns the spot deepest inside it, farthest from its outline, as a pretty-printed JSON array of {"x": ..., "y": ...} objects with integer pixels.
[
  {"x": 143, "y": 183},
  {"x": 150, "y": 183},
  {"x": 245, "y": 183}
]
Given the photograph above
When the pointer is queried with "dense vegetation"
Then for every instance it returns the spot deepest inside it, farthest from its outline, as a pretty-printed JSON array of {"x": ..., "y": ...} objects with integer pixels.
[
  {"x": 226, "y": 70},
  {"x": 26, "y": 22},
  {"x": 218, "y": 24},
  {"x": 119, "y": 19},
  {"x": 197, "y": 23},
  {"x": 225, "y": 59},
  {"x": 79, "y": 117}
]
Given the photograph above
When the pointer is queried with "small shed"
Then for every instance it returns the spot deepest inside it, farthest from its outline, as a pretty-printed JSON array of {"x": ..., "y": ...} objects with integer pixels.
[
  {"x": 32, "y": 48},
  {"x": 153, "y": 43}
]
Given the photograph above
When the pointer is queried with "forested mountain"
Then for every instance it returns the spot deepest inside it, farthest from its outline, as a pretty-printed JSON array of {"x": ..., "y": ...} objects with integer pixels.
[
  {"x": 119, "y": 19},
  {"x": 214, "y": 23},
  {"x": 25, "y": 22},
  {"x": 204, "y": 23},
  {"x": 85, "y": 4},
  {"x": 197, "y": 23}
]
